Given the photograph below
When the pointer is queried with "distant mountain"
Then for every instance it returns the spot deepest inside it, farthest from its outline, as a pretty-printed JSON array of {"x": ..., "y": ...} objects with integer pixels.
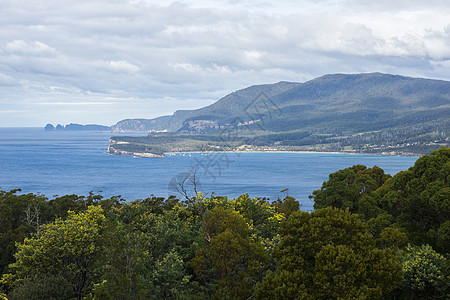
[
  {"x": 354, "y": 103},
  {"x": 77, "y": 127},
  {"x": 341, "y": 109}
]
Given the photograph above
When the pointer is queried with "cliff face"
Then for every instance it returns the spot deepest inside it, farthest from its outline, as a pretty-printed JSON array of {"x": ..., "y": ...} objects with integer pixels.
[{"x": 144, "y": 125}]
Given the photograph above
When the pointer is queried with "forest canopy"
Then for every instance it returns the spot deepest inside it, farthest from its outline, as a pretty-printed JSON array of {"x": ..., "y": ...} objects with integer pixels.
[{"x": 371, "y": 236}]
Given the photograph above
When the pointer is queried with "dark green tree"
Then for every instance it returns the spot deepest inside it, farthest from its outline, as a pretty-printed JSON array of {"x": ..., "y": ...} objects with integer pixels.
[
  {"x": 20, "y": 216},
  {"x": 419, "y": 200},
  {"x": 231, "y": 258},
  {"x": 327, "y": 254},
  {"x": 39, "y": 286},
  {"x": 352, "y": 188}
]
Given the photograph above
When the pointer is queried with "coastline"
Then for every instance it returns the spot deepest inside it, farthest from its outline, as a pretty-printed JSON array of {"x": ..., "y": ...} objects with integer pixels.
[
  {"x": 306, "y": 151},
  {"x": 114, "y": 151},
  {"x": 111, "y": 150}
]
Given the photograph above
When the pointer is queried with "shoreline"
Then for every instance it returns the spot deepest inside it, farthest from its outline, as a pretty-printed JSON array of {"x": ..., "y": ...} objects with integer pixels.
[
  {"x": 306, "y": 151},
  {"x": 113, "y": 151}
]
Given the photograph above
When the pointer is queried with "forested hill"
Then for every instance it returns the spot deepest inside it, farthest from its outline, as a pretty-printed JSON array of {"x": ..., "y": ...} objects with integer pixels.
[
  {"x": 339, "y": 111},
  {"x": 328, "y": 100}
]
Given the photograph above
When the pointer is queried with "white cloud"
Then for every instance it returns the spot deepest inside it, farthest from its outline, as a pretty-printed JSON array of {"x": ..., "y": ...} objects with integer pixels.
[
  {"x": 122, "y": 66},
  {"x": 142, "y": 51},
  {"x": 18, "y": 47}
]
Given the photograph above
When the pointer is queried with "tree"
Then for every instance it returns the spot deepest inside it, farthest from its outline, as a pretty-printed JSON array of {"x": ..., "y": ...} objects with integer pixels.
[
  {"x": 425, "y": 273},
  {"x": 419, "y": 200},
  {"x": 169, "y": 279},
  {"x": 231, "y": 257},
  {"x": 69, "y": 248},
  {"x": 262, "y": 217},
  {"x": 352, "y": 188},
  {"x": 126, "y": 252},
  {"x": 327, "y": 254},
  {"x": 149, "y": 245},
  {"x": 20, "y": 215},
  {"x": 37, "y": 287},
  {"x": 415, "y": 202},
  {"x": 286, "y": 206}
]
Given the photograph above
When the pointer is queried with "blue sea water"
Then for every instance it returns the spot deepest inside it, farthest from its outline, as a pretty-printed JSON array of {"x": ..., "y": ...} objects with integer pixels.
[{"x": 60, "y": 163}]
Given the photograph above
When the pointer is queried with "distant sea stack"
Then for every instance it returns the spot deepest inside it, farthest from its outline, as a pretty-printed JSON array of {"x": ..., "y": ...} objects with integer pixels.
[
  {"x": 77, "y": 127},
  {"x": 49, "y": 127}
]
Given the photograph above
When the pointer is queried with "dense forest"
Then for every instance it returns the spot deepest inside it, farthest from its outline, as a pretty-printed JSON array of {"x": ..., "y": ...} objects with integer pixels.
[{"x": 371, "y": 236}]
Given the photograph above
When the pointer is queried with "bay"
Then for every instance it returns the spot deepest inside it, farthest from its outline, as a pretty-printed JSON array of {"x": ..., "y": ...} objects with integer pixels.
[{"x": 76, "y": 162}]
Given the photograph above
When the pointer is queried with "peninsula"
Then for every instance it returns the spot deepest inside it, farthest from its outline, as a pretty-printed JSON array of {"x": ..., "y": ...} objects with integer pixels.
[{"x": 355, "y": 113}]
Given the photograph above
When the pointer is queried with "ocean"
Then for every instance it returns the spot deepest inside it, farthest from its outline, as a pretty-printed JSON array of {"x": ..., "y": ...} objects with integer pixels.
[{"x": 75, "y": 162}]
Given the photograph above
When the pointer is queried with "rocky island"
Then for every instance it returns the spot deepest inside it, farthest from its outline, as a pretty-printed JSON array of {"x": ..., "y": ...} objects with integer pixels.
[{"x": 77, "y": 127}]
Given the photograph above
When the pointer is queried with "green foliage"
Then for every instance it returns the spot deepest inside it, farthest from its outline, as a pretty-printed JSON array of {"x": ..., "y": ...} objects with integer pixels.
[
  {"x": 352, "y": 188},
  {"x": 37, "y": 287},
  {"x": 156, "y": 248},
  {"x": 125, "y": 252},
  {"x": 358, "y": 114},
  {"x": 415, "y": 202},
  {"x": 169, "y": 279},
  {"x": 419, "y": 200},
  {"x": 24, "y": 214},
  {"x": 262, "y": 217},
  {"x": 230, "y": 257},
  {"x": 69, "y": 248},
  {"x": 329, "y": 254},
  {"x": 443, "y": 237},
  {"x": 287, "y": 206},
  {"x": 20, "y": 215},
  {"x": 426, "y": 273},
  {"x": 153, "y": 240}
]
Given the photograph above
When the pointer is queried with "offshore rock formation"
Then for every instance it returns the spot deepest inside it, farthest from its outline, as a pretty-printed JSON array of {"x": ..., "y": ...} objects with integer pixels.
[{"x": 77, "y": 127}]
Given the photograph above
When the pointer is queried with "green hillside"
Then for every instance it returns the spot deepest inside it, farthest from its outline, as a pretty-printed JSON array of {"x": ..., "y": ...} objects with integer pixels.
[{"x": 360, "y": 112}]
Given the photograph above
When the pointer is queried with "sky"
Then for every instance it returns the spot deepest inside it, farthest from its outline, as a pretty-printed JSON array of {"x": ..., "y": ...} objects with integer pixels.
[{"x": 102, "y": 61}]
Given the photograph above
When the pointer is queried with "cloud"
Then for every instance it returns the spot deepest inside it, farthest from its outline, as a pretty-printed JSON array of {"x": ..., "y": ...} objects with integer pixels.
[
  {"x": 140, "y": 52},
  {"x": 34, "y": 48},
  {"x": 398, "y": 5},
  {"x": 6, "y": 80},
  {"x": 122, "y": 66}
]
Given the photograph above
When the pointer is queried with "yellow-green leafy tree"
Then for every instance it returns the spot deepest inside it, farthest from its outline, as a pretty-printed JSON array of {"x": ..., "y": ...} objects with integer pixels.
[
  {"x": 426, "y": 274},
  {"x": 69, "y": 248}
]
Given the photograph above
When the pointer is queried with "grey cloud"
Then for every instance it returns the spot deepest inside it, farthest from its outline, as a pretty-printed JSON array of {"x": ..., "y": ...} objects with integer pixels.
[
  {"x": 397, "y": 5},
  {"x": 6, "y": 80},
  {"x": 140, "y": 52}
]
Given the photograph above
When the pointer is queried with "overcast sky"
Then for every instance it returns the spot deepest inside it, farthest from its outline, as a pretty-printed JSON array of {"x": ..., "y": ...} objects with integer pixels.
[{"x": 101, "y": 61}]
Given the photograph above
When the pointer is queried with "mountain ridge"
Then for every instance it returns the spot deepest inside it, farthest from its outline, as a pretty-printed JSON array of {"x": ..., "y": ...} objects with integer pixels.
[
  {"x": 334, "y": 109},
  {"x": 316, "y": 93}
]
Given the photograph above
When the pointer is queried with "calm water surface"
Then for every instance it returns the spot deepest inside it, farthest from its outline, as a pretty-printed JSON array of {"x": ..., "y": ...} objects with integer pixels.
[{"x": 59, "y": 163}]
